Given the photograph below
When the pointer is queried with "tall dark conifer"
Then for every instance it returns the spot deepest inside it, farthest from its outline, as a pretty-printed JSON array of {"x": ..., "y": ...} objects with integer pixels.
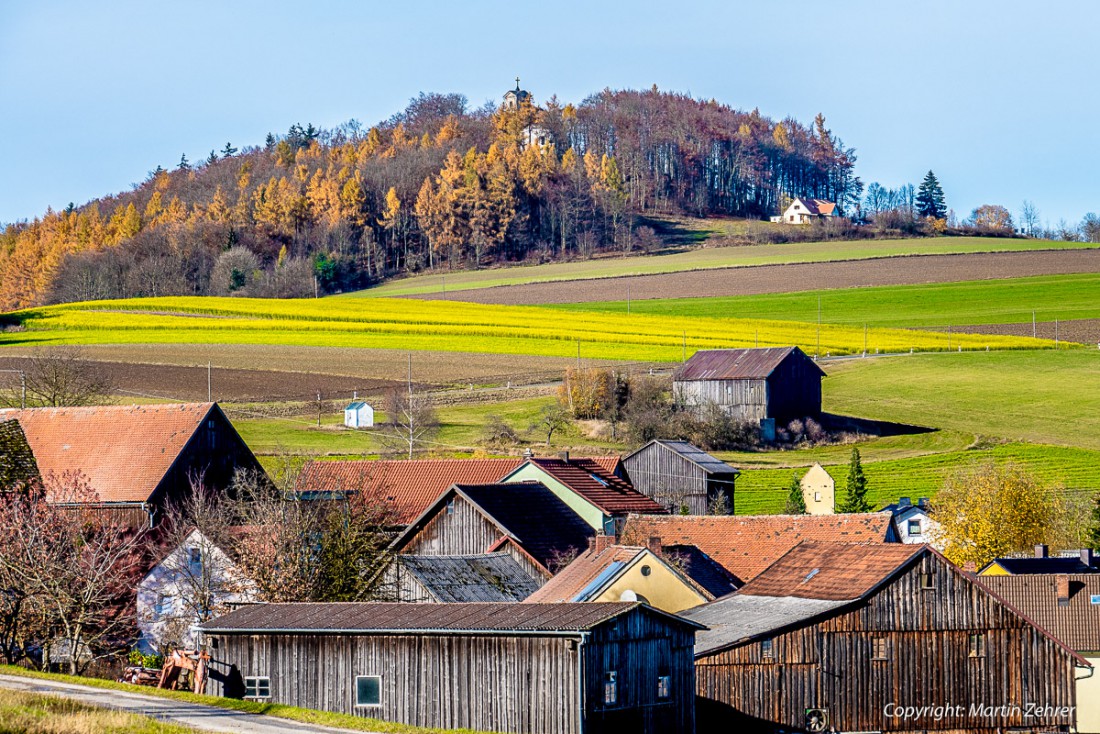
[{"x": 930, "y": 200}]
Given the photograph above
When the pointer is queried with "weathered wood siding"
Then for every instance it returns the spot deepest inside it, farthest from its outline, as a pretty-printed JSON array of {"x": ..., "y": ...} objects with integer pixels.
[
  {"x": 464, "y": 531},
  {"x": 793, "y": 390},
  {"x": 745, "y": 400},
  {"x": 519, "y": 683},
  {"x": 661, "y": 473},
  {"x": 831, "y": 664}
]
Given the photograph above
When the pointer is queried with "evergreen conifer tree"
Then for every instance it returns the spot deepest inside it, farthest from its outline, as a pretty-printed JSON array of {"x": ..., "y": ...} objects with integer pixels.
[
  {"x": 228, "y": 151},
  {"x": 930, "y": 199},
  {"x": 184, "y": 164},
  {"x": 796, "y": 502},
  {"x": 856, "y": 499}
]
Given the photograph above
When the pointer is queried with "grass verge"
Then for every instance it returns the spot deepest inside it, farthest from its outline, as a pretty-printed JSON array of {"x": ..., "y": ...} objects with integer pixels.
[
  {"x": 293, "y": 713},
  {"x": 37, "y": 713}
]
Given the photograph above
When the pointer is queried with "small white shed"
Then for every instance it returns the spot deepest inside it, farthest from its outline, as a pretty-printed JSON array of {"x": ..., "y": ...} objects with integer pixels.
[{"x": 358, "y": 415}]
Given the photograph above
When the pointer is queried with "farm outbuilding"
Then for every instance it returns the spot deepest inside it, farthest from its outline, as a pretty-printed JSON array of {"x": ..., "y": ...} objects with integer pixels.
[
  {"x": 889, "y": 637},
  {"x": 358, "y": 414},
  {"x": 538, "y": 668},
  {"x": 818, "y": 491},
  {"x": 681, "y": 476},
  {"x": 766, "y": 387}
]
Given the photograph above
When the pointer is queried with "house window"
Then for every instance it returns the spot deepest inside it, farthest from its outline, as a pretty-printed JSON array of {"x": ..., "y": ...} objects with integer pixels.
[
  {"x": 664, "y": 686},
  {"x": 767, "y": 649},
  {"x": 914, "y": 527},
  {"x": 368, "y": 690},
  {"x": 817, "y": 496},
  {"x": 257, "y": 687},
  {"x": 927, "y": 581},
  {"x": 450, "y": 507},
  {"x": 977, "y": 645},
  {"x": 611, "y": 688},
  {"x": 881, "y": 649},
  {"x": 194, "y": 560},
  {"x": 163, "y": 605}
]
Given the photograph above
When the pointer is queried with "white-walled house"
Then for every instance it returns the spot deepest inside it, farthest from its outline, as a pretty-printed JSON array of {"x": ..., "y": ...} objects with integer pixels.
[
  {"x": 804, "y": 211},
  {"x": 913, "y": 522},
  {"x": 358, "y": 415},
  {"x": 194, "y": 582}
]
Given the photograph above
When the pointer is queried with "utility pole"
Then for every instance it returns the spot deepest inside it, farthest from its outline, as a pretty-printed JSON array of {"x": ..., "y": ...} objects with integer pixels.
[
  {"x": 209, "y": 385},
  {"x": 318, "y": 408}
]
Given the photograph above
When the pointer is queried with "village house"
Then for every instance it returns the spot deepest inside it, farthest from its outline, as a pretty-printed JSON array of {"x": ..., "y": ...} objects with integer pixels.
[
  {"x": 1067, "y": 606},
  {"x": 888, "y": 637},
  {"x": 681, "y": 477},
  {"x": 763, "y": 387},
  {"x": 807, "y": 211},
  {"x": 525, "y": 668},
  {"x": 189, "y": 584},
  {"x": 1082, "y": 561},
  {"x": 610, "y": 572},
  {"x": 137, "y": 459},
  {"x": 745, "y": 545},
  {"x": 818, "y": 491},
  {"x": 913, "y": 522},
  {"x": 591, "y": 488},
  {"x": 409, "y": 487},
  {"x": 525, "y": 520}
]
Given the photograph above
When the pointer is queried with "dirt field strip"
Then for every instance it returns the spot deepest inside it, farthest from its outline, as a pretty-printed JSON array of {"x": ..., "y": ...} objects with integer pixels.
[{"x": 751, "y": 280}]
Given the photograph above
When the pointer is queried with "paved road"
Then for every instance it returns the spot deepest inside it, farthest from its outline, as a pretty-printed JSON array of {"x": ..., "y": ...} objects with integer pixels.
[{"x": 198, "y": 716}]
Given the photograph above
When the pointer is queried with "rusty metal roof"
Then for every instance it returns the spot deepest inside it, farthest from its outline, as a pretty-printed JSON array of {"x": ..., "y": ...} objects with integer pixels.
[
  {"x": 398, "y": 618},
  {"x": 737, "y": 364},
  {"x": 1076, "y": 623}
]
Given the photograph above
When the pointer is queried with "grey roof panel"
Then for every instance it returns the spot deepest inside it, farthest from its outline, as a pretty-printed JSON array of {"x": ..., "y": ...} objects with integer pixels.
[
  {"x": 700, "y": 458},
  {"x": 736, "y": 618},
  {"x": 483, "y": 577}
]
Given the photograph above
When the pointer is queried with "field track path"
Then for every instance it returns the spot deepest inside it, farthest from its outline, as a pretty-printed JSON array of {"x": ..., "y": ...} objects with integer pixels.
[
  {"x": 750, "y": 280},
  {"x": 197, "y": 716}
]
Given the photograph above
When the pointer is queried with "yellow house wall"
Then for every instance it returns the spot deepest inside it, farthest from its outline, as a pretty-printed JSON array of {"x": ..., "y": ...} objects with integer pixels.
[
  {"x": 816, "y": 482},
  {"x": 1088, "y": 697},
  {"x": 588, "y": 512},
  {"x": 662, "y": 588}
]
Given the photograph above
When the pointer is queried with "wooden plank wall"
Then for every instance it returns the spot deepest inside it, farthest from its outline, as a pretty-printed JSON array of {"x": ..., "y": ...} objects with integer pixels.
[
  {"x": 461, "y": 532},
  {"x": 744, "y": 400},
  {"x": 831, "y": 664},
  {"x": 794, "y": 390},
  {"x": 669, "y": 478}
]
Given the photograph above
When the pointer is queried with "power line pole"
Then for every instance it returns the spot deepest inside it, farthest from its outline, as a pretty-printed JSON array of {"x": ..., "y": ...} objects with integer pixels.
[{"x": 209, "y": 387}]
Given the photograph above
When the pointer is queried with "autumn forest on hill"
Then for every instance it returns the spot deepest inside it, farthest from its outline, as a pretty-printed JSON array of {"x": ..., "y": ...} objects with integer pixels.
[{"x": 438, "y": 185}]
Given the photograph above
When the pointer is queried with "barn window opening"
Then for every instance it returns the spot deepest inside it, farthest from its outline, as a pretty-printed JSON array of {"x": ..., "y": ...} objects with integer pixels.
[
  {"x": 927, "y": 581},
  {"x": 664, "y": 686},
  {"x": 767, "y": 649},
  {"x": 611, "y": 688},
  {"x": 451, "y": 506},
  {"x": 257, "y": 687},
  {"x": 977, "y": 645},
  {"x": 881, "y": 648},
  {"x": 368, "y": 690},
  {"x": 914, "y": 527}
]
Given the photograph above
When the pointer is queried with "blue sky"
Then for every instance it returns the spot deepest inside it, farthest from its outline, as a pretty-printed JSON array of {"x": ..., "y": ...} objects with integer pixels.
[{"x": 998, "y": 98}]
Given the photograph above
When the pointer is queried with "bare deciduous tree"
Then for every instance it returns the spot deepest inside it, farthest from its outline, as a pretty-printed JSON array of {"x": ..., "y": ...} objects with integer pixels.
[
  {"x": 412, "y": 422},
  {"x": 60, "y": 376}
]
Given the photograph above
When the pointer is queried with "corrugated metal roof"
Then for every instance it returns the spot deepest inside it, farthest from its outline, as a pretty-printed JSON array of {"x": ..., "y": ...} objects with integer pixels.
[
  {"x": 381, "y": 617},
  {"x": 736, "y": 618},
  {"x": 736, "y": 364},
  {"x": 483, "y": 577},
  {"x": 1077, "y": 624},
  {"x": 123, "y": 450}
]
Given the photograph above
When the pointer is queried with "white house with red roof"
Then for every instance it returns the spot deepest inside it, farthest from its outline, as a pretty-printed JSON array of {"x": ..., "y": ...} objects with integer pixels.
[{"x": 805, "y": 211}]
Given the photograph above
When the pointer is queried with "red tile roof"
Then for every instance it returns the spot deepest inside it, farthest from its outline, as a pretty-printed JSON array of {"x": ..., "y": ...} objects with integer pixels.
[
  {"x": 586, "y": 568},
  {"x": 604, "y": 490},
  {"x": 746, "y": 545},
  {"x": 1076, "y": 622},
  {"x": 831, "y": 571},
  {"x": 123, "y": 450},
  {"x": 410, "y": 485}
]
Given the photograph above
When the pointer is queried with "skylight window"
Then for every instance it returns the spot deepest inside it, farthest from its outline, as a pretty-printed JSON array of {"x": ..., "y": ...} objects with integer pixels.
[
  {"x": 811, "y": 574},
  {"x": 601, "y": 481}
]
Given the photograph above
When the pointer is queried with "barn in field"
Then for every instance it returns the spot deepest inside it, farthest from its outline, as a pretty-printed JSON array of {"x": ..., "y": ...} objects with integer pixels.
[
  {"x": 681, "y": 476},
  {"x": 538, "y": 668},
  {"x": 753, "y": 385},
  {"x": 888, "y": 638},
  {"x": 137, "y": 459}
]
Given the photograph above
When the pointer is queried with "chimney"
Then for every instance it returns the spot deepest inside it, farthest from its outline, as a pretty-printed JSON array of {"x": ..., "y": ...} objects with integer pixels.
[
  {"x": 564, "y": 456},
  {"x": 654, "y": 545},
  {"x": 905, "y": 502},
  {"x": 1061, "y": 589},
  {"x": 923, "y": 503},
  {"x": 528, "y": 453},
  {"x": 1041, "y": 551},
  {"x": 602, "y": 542}
]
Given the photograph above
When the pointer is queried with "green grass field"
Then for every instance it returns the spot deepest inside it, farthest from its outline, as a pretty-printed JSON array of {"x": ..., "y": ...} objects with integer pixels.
[
  {"x": 451, "y": 327},
  {"x": 1008, "y": 301},
  {"x": 705, "y": 259},
  {"x": 35, "y": 713}
]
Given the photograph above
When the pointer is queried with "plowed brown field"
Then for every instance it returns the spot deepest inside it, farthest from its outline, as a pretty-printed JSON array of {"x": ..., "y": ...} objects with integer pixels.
[{"x": 790, "y": 278}]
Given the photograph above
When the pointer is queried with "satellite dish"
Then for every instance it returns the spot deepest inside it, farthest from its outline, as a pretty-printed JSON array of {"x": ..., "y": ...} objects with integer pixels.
[{"x": 628, "y": 595}]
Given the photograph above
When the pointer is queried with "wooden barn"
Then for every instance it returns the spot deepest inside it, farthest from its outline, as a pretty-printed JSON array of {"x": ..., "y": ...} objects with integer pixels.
[
  {"x": 889, "y": 638},
  {"x": 137, "y": 458},
  {"x": 525, "y": 520},
  {"x": 682, "y": 477},
  {"x": 538, "y": 668},
  {"x": 753, "y": 385}
]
